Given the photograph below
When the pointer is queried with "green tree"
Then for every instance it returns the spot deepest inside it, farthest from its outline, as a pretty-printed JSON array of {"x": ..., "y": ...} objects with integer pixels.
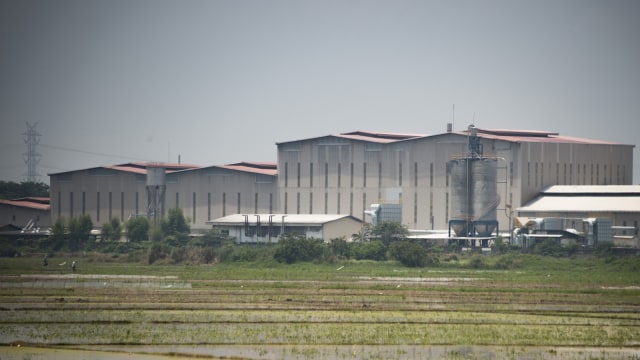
[
  {"x": 79, "y": 231},
  {"x": 175, "y": 225},
  {"x": 155, "y": 233},
  {"x": 58, "y": 234},
  {"x": 389, "y": 231},
  {"x": 112, "y": 230},
  {"x": 363, "y": 235},
  {"x": 137, "y": 228}
]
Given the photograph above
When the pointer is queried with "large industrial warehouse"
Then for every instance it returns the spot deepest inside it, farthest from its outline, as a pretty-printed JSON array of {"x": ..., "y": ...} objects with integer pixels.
[{"x": 347, "y": 173}]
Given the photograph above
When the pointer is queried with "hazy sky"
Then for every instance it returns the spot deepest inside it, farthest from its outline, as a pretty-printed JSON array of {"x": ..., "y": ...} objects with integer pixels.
[{"x": 218, "y": 82}]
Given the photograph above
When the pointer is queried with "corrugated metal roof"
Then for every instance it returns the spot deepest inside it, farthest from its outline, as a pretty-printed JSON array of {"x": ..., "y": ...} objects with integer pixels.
[
  {"x": 583, "y": 204},
  {"x": 534, "y": 136},
  {"x": 592, "y": 189},
  {"x": 263, "y": 168},
  {"x": 254, "y": 167},
  {"x": 368, "y": 136},
  {"x": 36, "y": 203},
  {"x": 136, "y": 167},
  {"x": 518, "y": 136},
  {"x": 380, "y": 137},
  {"x": 291, "y": 219},
  {"x": 586, "y": 198}
]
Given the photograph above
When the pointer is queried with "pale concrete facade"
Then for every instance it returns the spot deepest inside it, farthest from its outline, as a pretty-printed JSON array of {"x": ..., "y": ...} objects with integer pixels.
[
  {"x": 213, "y": 192},
  {"x": 202, "y": 193},
  {"x": 346, "y": 173},
  {"x": 102, "y": 193}
]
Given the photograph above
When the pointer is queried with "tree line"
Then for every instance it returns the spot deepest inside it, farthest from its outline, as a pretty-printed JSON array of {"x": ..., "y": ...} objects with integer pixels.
[
  {"x": 13, "y": 190},
  {"x": 169, "y": 241}
]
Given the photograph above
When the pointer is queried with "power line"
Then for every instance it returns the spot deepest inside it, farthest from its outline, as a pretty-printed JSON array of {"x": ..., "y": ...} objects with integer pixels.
[{"x": 92, "y": 152}]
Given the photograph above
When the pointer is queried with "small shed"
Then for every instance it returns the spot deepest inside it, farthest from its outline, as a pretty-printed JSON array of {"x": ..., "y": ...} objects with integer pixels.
[{"x": 267, "y": 228}]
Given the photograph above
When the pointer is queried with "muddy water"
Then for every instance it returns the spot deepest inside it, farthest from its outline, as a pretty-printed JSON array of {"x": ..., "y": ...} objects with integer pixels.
[{"x": 294, "y": 352}]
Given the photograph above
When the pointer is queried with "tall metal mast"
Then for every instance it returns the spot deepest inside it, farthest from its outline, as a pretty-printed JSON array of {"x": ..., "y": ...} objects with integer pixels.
[{"x": 31, "y": 157}]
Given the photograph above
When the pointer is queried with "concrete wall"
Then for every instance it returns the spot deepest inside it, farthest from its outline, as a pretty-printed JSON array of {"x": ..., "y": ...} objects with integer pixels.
[
  {"x": 100, "y": 193},
  {"x": 342, "y": 176},
  {"x": 202, "y": 194},
  {"x": 211, "y": 193}
]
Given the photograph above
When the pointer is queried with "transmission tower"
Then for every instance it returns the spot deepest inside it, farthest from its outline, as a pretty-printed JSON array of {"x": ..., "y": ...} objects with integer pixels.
[{"x": 31, "y": 157}]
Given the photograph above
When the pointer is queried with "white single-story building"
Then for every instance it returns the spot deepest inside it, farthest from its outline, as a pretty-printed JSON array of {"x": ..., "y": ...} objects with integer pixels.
[
  {"x": 596, "y": 213},
  {"x": 267, "y": 228}
]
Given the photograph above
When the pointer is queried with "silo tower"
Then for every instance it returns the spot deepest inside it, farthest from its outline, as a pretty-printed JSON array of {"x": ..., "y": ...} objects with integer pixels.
[
  {"x": 474, "y": 197},
  {"x": 156, "y": 188}
]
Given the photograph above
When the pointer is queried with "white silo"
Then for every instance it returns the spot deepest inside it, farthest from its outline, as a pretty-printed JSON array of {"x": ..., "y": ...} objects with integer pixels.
[{"x": 156, "y": 188}]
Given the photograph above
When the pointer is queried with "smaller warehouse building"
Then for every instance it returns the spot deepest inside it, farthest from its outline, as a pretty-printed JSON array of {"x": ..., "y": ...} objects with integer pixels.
[
  {"x": 591, "y": 214},
  {"x": 26, "y": 213},
  {"x": 268, "y": 228}
]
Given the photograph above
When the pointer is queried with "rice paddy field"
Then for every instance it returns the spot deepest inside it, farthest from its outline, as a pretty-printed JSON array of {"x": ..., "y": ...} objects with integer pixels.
[{"x": 545, "y": 308}]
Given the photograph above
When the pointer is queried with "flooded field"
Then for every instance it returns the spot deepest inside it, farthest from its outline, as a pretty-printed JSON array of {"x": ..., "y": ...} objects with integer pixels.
[{"x": 358, "y": 314}]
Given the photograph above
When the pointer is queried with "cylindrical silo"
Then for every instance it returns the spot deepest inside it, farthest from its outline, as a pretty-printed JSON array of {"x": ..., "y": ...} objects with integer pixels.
[
  {"x": 460, "y": 194},
  {"x": 485, "y": 198},
  {"x": 156, "y": 187},
  {"x": 474, "y": 196}
]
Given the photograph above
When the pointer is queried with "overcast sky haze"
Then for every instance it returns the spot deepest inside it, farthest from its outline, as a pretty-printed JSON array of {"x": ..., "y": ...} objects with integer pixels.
[{"x": 218, "y": 82}]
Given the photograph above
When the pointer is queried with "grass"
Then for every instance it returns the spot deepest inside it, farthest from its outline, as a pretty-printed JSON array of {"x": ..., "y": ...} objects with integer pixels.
[{"x": 543, "y": 302}]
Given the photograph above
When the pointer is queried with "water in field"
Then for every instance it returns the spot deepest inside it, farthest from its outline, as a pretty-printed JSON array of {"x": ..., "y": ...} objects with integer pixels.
[{"x": 295, "y": 352}]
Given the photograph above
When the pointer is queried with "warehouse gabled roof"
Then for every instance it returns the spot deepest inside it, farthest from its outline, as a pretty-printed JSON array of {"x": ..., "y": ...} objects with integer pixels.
[
  {"x": 261, "y": 168},
  {"x": 509, "y": 135},
  {"x": 534, "y": 136},
  {"x": 265, "y": 168},
  {"x": 35, "y": 203},
  {"x": 383, "y": 137},
  {"x": 137, "y": 167},
  {"x": 289, "y": 219},
  {"x": 586, "y": 198},
  {"x": 367, "y": 136}
]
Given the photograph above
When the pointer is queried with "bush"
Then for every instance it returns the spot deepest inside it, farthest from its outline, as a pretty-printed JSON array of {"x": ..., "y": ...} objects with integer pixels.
[
  {"x": 137, "y": 228},
  {"x": 506, "y": 262},
  {"x": 8, "y": 250},
  {"x": 604, "y": 248},
  {"x": 155, "y": 253},
  {"x": 476, "y": 262},
  {"x": 500, "y": 246},
  {"x": 245, "y": 253},
  {"x": 549, "y": 247},
  {"x": 372, "y": 250},
  {"x": 340, "y": 247},
  {"x": 408, "y": 253},
  {"x": 293, "y": 248}
]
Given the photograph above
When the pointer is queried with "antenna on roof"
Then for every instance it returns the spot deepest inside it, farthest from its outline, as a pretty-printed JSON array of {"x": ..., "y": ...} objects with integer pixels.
[
  {"x": 473, "y": 120},
  {"x": 453, "y": 120}
]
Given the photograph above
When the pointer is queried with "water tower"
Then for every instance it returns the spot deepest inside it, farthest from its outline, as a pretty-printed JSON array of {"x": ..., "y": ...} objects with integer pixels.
[
  {"x": 156, "y": 188},
  {"x": 474, "y": 197}
]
